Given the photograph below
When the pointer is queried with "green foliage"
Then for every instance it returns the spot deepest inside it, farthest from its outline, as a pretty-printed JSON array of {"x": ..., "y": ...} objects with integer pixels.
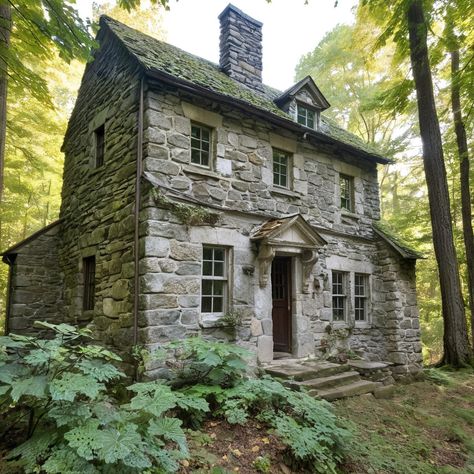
[
  {"x": 186, "y": 213},
  {"x": 76, "y": 424},
  {"x": 198, "y": 361},
  {"x": 437, "y": 376},
  {"x": 262, "y": 464},
  {"x": 314, "y": 435}
]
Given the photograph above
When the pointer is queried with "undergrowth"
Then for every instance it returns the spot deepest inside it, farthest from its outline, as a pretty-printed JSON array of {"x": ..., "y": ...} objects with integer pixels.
[{"x": 80, "y": 415}]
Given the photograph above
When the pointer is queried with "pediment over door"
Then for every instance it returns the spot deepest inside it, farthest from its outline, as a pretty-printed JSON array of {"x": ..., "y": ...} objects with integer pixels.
[{"x": 289, "y": 235}]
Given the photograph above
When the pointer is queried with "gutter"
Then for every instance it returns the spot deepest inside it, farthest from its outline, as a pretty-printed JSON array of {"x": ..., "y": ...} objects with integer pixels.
[
  {"x": 136, "y": 243},
  {"x": 254, "y": 110}
]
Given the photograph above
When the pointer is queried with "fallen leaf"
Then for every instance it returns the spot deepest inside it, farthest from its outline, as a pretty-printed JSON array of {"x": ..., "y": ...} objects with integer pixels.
[
  {"x": 213, "y": 435},
  {"x": 255, "y": 449},
  {"x": 265, "y": 441},
  {"x": 225, "y": 458},
  {"x": 236, "y": 452},
  {"x": 185, "y": 463}
]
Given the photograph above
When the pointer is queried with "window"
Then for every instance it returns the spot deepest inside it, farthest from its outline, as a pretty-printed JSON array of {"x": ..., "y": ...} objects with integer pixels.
[
  {"x": 88, "y": 269},
  {"x": 281, "y": 166},
  {"x": 99, "y": 139},
  {"x": 305, "y": 116},
  {"x": 360, "y": 297},
  {"x": 339, "y": 285},
  {"x": 346, "y": 186},
  {"x": 214, "y": 280},
  {"x": 200, "y": 145}
]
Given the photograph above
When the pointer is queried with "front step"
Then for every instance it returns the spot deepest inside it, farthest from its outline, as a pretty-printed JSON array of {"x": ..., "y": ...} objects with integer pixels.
[
  {"x": 306, "y": 371},
  {"x": 321, "y": 383},
  {"x": 356, "y": 388}
]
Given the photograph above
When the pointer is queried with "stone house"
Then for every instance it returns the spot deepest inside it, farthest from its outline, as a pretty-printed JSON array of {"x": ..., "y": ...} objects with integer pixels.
[{"x": 196, "y": 199}]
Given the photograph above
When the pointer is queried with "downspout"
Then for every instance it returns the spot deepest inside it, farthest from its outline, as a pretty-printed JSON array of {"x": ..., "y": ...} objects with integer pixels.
[
  {"x": 136, "y": 242},
  {"x": 9, "y": 260}
]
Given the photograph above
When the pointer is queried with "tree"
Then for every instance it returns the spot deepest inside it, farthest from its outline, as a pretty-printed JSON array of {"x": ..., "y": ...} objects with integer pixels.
[
  {"x": 32, "y": 31},
  {"x": 452, "y": 41},
  {"x": 456, "y": 346}
]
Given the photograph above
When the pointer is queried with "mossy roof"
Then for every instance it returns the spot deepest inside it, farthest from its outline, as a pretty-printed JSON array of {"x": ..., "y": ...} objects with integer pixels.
[
  {"x": 396, "y": 242},
  {"x": 156, "y": 55}
]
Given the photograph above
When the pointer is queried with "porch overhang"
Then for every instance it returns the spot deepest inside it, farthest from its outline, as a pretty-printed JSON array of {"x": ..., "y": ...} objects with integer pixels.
[{"x": 290, "y": 235}]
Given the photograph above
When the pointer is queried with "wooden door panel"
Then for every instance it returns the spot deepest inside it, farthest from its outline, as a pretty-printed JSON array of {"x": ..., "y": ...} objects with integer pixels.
[{"x": 281, "y": 300}]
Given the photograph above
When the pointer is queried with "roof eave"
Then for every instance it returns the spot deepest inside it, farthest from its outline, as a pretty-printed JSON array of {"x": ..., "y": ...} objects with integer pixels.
[
  {"x": 408, "y": 255},
  {"x": 269, "y": 116}
]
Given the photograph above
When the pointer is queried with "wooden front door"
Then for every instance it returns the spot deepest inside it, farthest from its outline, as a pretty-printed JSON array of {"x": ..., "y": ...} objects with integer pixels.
[{"x": 281, "y": 298}]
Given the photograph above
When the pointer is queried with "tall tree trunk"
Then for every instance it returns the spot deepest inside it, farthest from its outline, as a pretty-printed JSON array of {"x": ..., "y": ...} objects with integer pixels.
[
  {"x": 5, "y": 30},
  {"x": 456, "y": 345},
  {"x": 463, "y": 152}
]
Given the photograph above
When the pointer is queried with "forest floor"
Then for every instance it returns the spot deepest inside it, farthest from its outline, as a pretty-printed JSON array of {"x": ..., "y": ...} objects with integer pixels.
[{"x": 426, "y": 428}]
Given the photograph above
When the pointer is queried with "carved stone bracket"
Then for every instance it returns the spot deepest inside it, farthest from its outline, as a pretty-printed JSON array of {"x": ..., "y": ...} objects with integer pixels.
[
  {"x": 265, "y": 257},
  {"x": 308, "y": 259}
]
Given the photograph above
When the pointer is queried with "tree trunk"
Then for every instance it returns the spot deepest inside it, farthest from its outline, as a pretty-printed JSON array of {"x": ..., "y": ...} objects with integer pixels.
[
  {"x": 456, "y": 345},
  {"x": 463, "y": 152},
  {"x": 5, "y": 30}
]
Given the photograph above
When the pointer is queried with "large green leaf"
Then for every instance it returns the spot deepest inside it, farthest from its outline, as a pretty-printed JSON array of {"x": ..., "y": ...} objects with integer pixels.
[
  {"x": 70, "y": 385},
  {"x": 170, "y": 429},
  {"x": 34, "y": 386},
  {"x": 152, "y": 397}
]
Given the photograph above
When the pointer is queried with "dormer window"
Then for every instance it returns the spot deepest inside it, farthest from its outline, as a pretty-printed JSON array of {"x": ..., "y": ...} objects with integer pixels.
[{"x": 305, "y": 116}]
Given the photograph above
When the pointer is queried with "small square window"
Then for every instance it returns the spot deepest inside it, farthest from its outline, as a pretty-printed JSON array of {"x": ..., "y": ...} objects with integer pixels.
[
  {"x": 346, "y": 187},
  {"x": 201, "y": 145},
  {"x": 214, "y": 279},
  {"x": 281, "y": 168},
  {"x": 339, "y": 296},
  {"x": 88, "y": 270},
  {"x": 305, "y": 116},
  {"x": 99, "y": 140}
]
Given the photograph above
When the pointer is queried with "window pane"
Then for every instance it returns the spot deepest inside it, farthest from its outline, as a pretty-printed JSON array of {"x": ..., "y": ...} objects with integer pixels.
[
  {"x": 218, "y": 304},
  {"x": 219, "y": 254},
  {"x": 218, "y": 268},
  {"x": 206, "y": 304},
  {"x": 195, "y": 131},
  {"x": 205, "y": 134},
  {"x": 195, "y": 156},
  {"x": 207, "y": 287},
  {"x": 207, "y": 253},
  {"x": 207, "y": 268},
  {"x": 218, "y": 288},
  {"x": 205, "y": 158}
]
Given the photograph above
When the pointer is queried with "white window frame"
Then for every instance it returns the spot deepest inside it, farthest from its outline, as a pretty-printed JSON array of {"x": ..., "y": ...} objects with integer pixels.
[
  {"x": 307, "y": 111},
  {"x": 289, "y": 166},
  {"x": 350, "y": 196},
  {"x": 200, "y": 149},
  {"x": 364, "y": 298},
  {"x": 344, "y": 296},
  {"x": 213, "y": 278}
]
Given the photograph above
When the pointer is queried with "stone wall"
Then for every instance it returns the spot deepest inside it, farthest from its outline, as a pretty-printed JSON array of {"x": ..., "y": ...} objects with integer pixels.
[
  {"x": 242, "y": 176},
  {"x": 397, "y": 293},
  {"x": 36, "y": 283},
  {"x": 97, "y": 205}
]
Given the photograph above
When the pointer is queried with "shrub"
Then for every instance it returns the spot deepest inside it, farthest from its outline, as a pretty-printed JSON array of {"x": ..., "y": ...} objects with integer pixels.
[
  {"x": 76, "y": 425},
  {"x": 314, "y": 435}
]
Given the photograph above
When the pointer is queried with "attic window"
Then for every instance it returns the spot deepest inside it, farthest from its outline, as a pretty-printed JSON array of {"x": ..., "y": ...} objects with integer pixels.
[
  {"x": 305, "y": 116},
  {"x": 99, "y": 140},
  {"x": 346, "y": 186}
]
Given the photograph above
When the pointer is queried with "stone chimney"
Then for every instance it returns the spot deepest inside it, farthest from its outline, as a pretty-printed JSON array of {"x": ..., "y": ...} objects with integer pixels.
[{"x": 241, "y": 47}]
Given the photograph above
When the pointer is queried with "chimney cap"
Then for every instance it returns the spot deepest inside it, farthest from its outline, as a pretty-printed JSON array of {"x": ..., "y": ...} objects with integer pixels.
[{"x": 239, "y": 12}]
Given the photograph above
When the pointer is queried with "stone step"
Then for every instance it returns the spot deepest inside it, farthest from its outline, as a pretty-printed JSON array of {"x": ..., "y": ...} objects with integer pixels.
[
  {"x": 306, "y": 371},
  {"x": 356, "y": 388},
  {"x": 342, "y": 378}
]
